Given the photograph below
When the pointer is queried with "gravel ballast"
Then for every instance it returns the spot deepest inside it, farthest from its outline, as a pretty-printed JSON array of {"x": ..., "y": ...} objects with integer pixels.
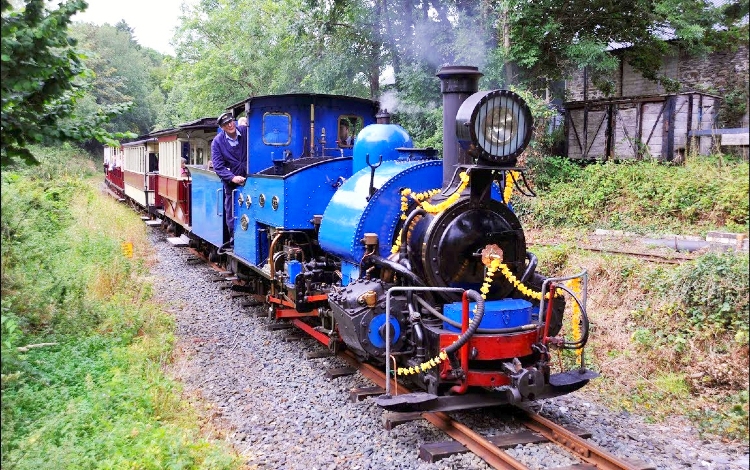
[{"x": 280, "y": 411}]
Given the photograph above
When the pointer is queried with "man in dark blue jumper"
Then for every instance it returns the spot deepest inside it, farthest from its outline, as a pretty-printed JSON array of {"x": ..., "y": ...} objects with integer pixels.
[{"x": 229, "y": 157}]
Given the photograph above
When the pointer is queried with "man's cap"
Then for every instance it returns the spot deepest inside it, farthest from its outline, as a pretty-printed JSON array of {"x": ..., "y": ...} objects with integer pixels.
[{"x": 224, "y": 118}]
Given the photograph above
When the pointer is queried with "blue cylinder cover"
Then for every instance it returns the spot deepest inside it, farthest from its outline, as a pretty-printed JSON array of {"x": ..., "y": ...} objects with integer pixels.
[
  {"x": 505, "y": 313},
  {"x": 376, "y": 337},
  {"x": 292, "y": 268}
]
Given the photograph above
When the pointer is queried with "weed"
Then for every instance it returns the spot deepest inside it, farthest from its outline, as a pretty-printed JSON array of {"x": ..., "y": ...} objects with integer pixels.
[
  {"x": 668, "y": 339},
  {"x": 729, "y": 419}
]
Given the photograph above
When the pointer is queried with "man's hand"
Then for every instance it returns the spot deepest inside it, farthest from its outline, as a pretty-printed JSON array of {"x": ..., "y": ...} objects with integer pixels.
[{"x": 238, "y": 180}]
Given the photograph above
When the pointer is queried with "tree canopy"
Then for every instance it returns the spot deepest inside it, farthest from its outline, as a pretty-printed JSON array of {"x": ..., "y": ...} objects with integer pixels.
[
  {"x": 123, "y": 72},
  {"x": 62, "y": 81},
  {"x": 227, "y": 51},
  {"x": 42, "y": 77}
]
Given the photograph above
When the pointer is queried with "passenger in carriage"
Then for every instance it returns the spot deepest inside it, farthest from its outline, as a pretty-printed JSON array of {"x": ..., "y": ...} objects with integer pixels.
[
  {"x": 185, "y": 170},
  {"x": 229, "y": 158}
]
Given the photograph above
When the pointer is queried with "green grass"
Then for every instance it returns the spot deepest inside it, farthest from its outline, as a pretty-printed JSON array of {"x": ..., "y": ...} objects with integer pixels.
[
  {"x": 707, "y": 193},
  {"x": 98, "y": 397}
]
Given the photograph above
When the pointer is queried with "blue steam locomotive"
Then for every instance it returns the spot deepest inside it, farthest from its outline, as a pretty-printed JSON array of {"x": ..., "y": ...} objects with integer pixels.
[{"x": 408, "y": 260}]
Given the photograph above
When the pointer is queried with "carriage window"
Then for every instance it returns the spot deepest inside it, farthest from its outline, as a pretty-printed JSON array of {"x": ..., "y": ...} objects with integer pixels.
[
  {"x": 185, "y": 150},
  {"x": 277, "y": 128},
  {"x": 348, "y": 128},
  {"x": 198, "y": 157},
  {"x": 153, "y": 162}
]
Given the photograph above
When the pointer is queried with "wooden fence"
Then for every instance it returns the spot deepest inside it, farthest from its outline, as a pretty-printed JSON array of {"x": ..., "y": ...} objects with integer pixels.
[{"x": 657, "y": 126}]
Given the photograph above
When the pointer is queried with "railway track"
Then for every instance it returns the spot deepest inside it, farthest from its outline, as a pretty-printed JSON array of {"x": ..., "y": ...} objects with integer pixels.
[
  {"x": 673, "y": 258},
  {"x": 490, "y": 449}
]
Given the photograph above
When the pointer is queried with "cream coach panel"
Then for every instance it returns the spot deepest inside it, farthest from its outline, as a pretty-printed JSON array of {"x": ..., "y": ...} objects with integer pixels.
[
  {"x": 169, "y": 158},
  {"x": 135, "y": 159}
]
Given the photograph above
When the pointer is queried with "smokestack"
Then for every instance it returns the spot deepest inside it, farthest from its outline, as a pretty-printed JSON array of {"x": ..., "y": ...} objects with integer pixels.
[
  {"x": 457, "y": 82},
  {"x": 383, "y": 117}
]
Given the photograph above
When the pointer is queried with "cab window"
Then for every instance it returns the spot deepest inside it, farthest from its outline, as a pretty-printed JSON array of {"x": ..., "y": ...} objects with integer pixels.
[
  {"x": 277, "y": 128},
  {"x": 349, "y": 126}
]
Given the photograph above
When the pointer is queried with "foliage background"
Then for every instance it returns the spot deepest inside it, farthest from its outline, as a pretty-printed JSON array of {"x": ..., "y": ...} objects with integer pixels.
[{"x": 88, "y": 83}]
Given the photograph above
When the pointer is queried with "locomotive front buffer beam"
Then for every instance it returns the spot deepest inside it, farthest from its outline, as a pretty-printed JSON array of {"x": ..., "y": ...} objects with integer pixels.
[{"x": 522, "y": 389}]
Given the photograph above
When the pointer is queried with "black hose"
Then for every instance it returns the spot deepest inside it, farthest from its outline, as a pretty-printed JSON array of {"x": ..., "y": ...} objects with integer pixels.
[
  {"x": 384, "y": 262},
  {"x": 585, "y": 325},
  {"x": 405, "y": 228},
  {"x": 222, "y": 249},
  {"x": 473, "y": 325},
  {"x": 531, "y": 267}
]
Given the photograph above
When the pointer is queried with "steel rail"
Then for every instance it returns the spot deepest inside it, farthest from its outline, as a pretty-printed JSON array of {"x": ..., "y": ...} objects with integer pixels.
[
  {"x": 476, "y": 443},
  {"x": 582, "y": 448},
  {"x": 481, "y": 447},
  {"x": 653, "y": 257}
]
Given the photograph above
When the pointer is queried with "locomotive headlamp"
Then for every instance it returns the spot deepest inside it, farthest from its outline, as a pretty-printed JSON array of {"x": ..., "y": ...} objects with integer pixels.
[{"x": 494, "y": 126}]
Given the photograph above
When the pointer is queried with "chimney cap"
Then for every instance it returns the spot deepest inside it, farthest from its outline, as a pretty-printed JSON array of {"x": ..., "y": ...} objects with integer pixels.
[{"x": 448, "y": 70}]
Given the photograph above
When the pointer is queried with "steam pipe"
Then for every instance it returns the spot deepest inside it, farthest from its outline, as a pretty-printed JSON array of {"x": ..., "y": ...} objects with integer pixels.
[
  {"x": 384, "y": 262},
  {"x": 271, "y": 268},
  {"x": 404, "y": 250},
  {"x": 457, "y": 82}
]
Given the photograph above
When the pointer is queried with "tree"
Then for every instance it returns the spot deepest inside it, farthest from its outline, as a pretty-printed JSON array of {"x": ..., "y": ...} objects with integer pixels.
[
  {"x": 548, "y": 39},
  {"x": 42, "y": 77},
  {"x": 123, "y": 72}
]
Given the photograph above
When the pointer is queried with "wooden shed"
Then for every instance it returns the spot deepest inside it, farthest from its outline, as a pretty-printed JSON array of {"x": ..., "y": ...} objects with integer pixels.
[{"x": 656, "y": 126}]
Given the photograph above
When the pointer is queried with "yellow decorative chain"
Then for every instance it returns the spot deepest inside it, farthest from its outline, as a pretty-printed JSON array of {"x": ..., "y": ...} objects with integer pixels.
[
  {"x": 510, "y": 177},
  {"x": 423, "y": 367},
  {"x": 519, "y": 286},
  {"x": 438, "y": 208},
  {"x": 495, "y": 264},
  {"x": 575, "y": 320},
  {"x": 421, "y": 199}
]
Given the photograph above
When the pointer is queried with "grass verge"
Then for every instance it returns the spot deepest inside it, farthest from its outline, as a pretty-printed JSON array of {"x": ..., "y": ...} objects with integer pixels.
[
  {"x": 669, "y": 340},
  {"x": 93, "y": 394}
]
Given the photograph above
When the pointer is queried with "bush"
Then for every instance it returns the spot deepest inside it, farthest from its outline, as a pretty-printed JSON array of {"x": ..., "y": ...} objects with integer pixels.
[
  {"x": 705, "y": 194},
  {"x": 713, "y": 293}
]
